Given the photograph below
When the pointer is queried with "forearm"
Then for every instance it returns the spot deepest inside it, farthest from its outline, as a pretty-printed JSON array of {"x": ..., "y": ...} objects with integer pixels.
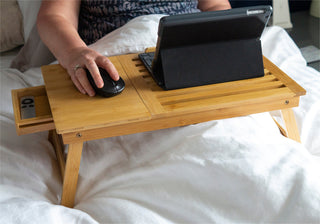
[
  {"x": 213, "y": 5},
  {"x": 219, "y": 7},
  {"x": 60, "y": 36},
  {"x": 58, "y": 28}
]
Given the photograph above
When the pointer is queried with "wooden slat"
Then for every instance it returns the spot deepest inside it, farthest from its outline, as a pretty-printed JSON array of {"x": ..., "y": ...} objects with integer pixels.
[
  {"x": 179, "y": 120},
  {"x": 192, "y": 96},
  {"x": 162, "y": 103},
  {"x": 218, "y": 87},
  {"x": 232, "y": 100},
  {"x": 131, "y": 66},
  {"x": 150, "y": 49},
  {"x": 287, "y": 81},
  {"x": 35, "y": 128},
  {"x": 35, "y": 120}
]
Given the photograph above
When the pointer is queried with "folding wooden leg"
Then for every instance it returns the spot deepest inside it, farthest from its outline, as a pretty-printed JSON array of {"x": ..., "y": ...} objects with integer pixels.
[
  {"x": 57, "y": 143},
  {"x": 291, "y": 124},
  {"x": 71, "y": 173},
  {"x": 69, "y": 169},
  {"x": 282, "y": 130}
]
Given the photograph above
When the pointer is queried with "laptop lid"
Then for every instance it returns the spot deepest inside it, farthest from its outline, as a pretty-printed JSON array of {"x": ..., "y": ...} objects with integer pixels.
[{"x": 210, "y": 47}]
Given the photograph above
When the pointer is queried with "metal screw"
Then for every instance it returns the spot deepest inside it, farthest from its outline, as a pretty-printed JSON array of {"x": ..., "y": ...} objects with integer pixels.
[
  {"x": 79, "y": 135},
  {"x": 286, "y": 102}
]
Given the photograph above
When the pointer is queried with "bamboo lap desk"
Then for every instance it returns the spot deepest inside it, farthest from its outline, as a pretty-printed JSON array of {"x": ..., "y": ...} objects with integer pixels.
[{"x": 143, "y": 106}]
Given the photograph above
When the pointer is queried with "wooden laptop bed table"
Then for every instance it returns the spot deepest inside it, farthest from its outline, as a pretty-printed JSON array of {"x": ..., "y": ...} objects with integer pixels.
[{"x": 73, "y": 118}]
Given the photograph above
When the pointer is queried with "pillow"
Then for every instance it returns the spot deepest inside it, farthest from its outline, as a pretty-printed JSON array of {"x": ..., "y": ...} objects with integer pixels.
[
  {"x": 34, "y": 53},
  {"x": 135, "y": 36},
  {"x": 11, "y": 26},
  {"x": 29, "y": 10}
]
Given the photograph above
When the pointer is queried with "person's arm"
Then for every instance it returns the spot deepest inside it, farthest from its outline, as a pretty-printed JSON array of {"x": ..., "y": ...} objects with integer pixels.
[
  {"x": 213, "y": 5},
  {"x": 57, "y": 24}
]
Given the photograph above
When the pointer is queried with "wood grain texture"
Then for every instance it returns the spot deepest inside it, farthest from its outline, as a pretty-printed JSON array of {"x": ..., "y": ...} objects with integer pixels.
[
  {"x": 70, "y": 179},
  {"x": 73, "y": 111},
  {"x": 283, "y": 77},
  {"x": 58, "y": 146},
  {"x": 43, "y": 120},
  {"x": 175, "y": 121},
  {"x": 291, "y": 124},
  {"x": 144, "y": 106},
  {"x": 161, "y": 103}
]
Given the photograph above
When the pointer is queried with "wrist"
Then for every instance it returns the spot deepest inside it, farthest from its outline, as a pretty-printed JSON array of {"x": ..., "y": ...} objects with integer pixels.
[{"x": 69, "y": 57}]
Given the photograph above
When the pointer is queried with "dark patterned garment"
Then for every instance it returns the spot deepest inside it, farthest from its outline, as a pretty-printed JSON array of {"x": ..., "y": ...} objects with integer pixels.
[{"x": 99, "y": 17}]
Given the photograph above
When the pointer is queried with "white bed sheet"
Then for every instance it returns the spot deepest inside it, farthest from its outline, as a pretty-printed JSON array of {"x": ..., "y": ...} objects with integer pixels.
[{"x": 232, "y": 170}]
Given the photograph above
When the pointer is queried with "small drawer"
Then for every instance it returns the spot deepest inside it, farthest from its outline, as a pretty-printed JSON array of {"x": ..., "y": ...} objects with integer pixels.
[{"x": 42, "y": 121}]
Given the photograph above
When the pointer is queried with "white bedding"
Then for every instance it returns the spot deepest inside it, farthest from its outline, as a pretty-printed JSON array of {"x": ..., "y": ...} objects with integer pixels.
[{"x": 232, "y": 170}]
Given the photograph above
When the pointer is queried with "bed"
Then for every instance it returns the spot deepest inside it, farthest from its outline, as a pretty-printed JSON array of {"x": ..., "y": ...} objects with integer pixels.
[{"x": 226, "y": 171}]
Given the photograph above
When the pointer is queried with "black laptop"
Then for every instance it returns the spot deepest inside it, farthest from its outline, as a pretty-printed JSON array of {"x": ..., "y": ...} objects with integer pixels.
[{"x": 208, "y": 47}]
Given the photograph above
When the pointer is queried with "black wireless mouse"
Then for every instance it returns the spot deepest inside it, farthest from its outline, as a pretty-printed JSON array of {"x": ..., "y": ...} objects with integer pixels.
[{"x": 110, "y": 87}]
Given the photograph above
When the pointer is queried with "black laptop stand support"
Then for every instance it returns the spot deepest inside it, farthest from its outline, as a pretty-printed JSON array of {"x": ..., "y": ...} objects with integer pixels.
[{"x": 211, "y": 63}]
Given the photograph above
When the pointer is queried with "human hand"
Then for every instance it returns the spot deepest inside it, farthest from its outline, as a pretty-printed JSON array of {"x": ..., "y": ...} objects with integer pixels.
[{"x": 84, "y": 58}]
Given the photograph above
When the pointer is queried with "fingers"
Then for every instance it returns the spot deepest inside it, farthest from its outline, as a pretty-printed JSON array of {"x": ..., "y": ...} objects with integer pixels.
[
  {"x": 94, "y": 71},
  {"x": 77, "y": 84},
  {"x": 105, "y": 63},
  {"x": 82, "y": 83},
  {"x": 86, "y": 58}
]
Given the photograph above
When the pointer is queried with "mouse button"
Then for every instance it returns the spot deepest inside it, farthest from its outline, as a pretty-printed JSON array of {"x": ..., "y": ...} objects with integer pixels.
[{"x": 114, "y": 83}]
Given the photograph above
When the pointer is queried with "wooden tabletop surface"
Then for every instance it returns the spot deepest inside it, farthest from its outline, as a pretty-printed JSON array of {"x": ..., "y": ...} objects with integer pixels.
[{"x": 143, "y": 101}]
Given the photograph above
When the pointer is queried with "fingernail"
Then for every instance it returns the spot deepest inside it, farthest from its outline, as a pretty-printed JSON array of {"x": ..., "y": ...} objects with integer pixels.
[
  {"x": 116, "y": 78},
  {"x": 100, "y": 84}
]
